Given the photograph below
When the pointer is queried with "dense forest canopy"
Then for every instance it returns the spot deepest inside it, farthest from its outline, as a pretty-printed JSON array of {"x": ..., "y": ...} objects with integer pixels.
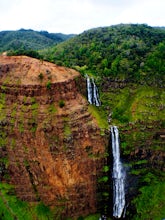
[{"x": 122, "y": 51}]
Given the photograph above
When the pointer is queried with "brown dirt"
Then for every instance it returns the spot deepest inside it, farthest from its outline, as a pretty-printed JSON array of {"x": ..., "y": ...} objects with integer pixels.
[{"x": 26, "y": 71}]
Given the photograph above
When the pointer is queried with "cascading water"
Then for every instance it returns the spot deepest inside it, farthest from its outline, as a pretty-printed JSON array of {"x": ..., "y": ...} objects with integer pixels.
[
  {"x": 92, "y": 91},
  {"x": 118, "y": 176},
  {"x": 89, "y": 90},
  {"x": 96, "y": 100}
]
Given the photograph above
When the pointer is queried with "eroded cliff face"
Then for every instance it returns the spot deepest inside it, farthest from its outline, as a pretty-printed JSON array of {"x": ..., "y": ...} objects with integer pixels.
[{"x": 51, "y": 148}]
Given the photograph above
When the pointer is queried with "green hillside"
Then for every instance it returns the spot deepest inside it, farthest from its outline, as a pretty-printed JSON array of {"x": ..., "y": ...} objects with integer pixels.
[
  {"x": 132, "y": 52},
  {"x": 128, "y": 64},
  {"x": 29, "y": 39}
]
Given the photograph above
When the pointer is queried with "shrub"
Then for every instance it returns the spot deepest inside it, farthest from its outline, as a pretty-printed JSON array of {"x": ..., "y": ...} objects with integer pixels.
[
  {"x": 61, "y": 103},
  {"x": 41, "y": 76},
  {"x": 48, "y": 85}
]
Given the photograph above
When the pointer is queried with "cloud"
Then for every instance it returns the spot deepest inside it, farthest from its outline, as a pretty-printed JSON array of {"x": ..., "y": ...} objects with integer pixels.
[
  {"x": 75, "y": 16},
  {"x": 148, "y": 11}
]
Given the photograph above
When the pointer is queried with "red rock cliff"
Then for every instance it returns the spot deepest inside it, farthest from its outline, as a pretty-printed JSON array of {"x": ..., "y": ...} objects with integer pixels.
[{"x": 51, "y": 142}]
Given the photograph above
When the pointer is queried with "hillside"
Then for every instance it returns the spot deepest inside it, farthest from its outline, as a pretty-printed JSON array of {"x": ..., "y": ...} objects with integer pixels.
[
  {"x": 29, "y": 39},
  {"x": 131, "y": 52},
  {"x": 128, "y": 64}
]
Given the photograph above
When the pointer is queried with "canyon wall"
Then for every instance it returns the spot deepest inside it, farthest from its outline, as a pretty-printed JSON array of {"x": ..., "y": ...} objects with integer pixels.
[{"x": 51, "y": 147}]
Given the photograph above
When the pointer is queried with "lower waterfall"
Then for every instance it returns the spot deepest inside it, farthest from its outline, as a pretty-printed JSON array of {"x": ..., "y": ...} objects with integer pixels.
[{"x": 118, "y": 176}]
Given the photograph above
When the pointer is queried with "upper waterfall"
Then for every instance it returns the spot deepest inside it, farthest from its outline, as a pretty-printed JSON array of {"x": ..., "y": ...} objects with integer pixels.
[
  {"x": 89, "y": 90},
  {"x": 118, "y": 176},
  {"x": 92, "y": 92}
]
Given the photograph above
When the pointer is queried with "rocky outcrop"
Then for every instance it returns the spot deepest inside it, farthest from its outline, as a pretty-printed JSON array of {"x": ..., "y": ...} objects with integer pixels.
[{"x": 52, "y": 149}]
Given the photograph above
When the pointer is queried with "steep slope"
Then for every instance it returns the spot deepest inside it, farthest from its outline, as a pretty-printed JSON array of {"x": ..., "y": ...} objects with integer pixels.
[
  {"x": 29, "y": 39},
  {"x": 51, "y": 148}
]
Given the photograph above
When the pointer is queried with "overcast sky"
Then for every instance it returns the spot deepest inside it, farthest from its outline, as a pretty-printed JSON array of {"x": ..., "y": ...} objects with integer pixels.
[{"x": 75, "y": 16}]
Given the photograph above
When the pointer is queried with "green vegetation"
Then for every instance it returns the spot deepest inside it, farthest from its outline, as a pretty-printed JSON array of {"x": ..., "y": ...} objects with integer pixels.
[
  {"x": 41, "y": 76},
  {"x": 30, "y": 53},
  {"x": 61, "y": 103},
  {"x": 52, "y": 109},
  {"x": 48, "y": 85},
  {"x": 67, "y": 130},
  {"x": 103, "y": 179},
  {"x": 150, "y": 202},
  {"x": 28, "y": 40},
  {"x": 12, "y": 208},
  {"x": 21, "y": 121},
  {"x": 106, "y": 169},
  {"x": 121, "y": 51},
  {"x": 3, "y": 139},
  {"x": 34, "y": 108},
  {"x": 2, "y": 105},
  {"x": 99, "y": 115},
  {"x": 92, "y": 217},
  {"x": 67, "y": 127},
  {"x": 34, "y": 111},
  {"x": 134, "y": 103}
]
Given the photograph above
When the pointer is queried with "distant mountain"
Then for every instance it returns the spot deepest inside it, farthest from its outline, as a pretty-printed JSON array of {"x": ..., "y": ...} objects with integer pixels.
[
  {"x": 29, "y": 39},
  {"x": 162, "y": 27}
]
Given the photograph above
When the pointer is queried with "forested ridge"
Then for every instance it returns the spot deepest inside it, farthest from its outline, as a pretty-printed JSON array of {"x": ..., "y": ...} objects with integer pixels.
[{"x": 128, "y": 51}]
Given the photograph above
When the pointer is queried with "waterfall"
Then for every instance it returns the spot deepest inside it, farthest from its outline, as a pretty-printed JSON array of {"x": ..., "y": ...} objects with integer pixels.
[
  {"x": 89, "y": 90},
  {"x": 96, "y": 100},
  {"x": 118, "y": 176},
  {"x": 92, "y": 92}
]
